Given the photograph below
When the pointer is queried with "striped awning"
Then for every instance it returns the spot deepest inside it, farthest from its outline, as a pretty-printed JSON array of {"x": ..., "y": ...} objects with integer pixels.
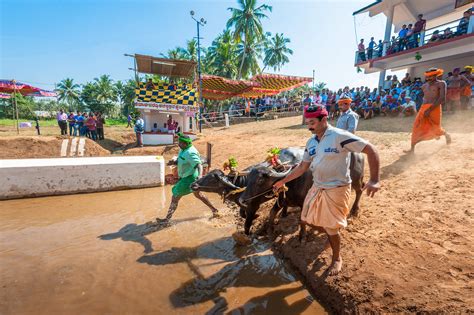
[{"x": 218, "y": 88}]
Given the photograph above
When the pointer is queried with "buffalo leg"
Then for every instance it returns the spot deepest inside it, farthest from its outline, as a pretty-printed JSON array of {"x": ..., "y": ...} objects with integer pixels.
[
  {"x": 242, "y": 212},
  {"x": 276, "y": 207},
  {"x": 355, "y": 207},
  {"x": 302, "y": 235}
]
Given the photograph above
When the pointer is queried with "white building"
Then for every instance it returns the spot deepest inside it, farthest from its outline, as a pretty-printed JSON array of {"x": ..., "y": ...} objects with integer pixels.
[{"x": 456, "y": 50}]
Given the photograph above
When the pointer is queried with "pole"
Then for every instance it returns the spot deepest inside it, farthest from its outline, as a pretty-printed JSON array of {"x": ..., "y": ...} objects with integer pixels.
[
  {"x": 199, "y": 78},
  {"x": 313, "y": 80},
  {"x": 16, "y": 107}
]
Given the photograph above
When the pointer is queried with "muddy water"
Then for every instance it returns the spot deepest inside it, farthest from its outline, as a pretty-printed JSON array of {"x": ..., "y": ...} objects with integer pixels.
[{"x": 95, "y": 253}]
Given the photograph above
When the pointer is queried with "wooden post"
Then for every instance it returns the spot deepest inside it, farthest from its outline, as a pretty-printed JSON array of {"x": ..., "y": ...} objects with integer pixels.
[{"x": 209, "y": 155}]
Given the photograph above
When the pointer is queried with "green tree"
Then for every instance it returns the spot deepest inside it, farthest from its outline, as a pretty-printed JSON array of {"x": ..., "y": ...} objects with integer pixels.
[
  {"x": 276, "y": 52},
  {"x": 246, "y": 21},
  {"x": 253, "y": 52},
  {"x": 69, "y": 92},
  {"x": 319, "y": 86},
  {"x": 221, "y": 56}
]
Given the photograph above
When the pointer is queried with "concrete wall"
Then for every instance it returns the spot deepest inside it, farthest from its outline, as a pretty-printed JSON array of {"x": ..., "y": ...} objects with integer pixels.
[
  {"x": 446, "y": 65},
  {"x": 45, "y": 177}
]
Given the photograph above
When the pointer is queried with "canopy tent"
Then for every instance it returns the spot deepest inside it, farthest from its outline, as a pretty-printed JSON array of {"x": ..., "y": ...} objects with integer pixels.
[
  {"x": 218, "y": 88},
  {"x": 164, "y": 66},
  {"x": 13, "y": 87},
  {"x": 5, "y": 96}
]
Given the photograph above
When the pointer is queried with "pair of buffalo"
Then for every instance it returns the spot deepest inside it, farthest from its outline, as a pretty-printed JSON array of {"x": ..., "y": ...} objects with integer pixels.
[{"x": 258, "y": 182}]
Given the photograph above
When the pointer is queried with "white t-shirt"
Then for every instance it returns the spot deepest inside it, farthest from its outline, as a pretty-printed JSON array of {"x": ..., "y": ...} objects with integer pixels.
[
  {"x": 410, "y": 104},
  {"x": 330, "y": 157}
]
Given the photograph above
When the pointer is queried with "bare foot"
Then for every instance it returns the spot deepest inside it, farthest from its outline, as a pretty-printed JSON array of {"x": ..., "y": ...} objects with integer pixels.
[
  {"x": 448, "y": 139},
  {"x": 411, "y": 151},
  {"x": 215, "y": 215},
  {"x": 335, "y": 267}
]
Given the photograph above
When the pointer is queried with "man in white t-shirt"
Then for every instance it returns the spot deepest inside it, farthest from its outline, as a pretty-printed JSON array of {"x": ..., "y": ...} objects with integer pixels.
[
  {"x": 409, "y": 108},
  {"x": 327, "y": 155}
]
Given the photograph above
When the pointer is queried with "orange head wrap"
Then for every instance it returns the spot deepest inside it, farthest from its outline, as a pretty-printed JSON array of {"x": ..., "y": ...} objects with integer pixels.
[
  {"x": 434, "y": 72},
  {"x": 344, "y": 100}
]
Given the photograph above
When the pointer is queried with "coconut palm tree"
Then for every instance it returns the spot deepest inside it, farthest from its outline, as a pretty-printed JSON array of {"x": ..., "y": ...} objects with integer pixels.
[
  {"x": 246, "y": 21},
  {"x": 221, "y": 56},
  {"x": 253, "y": 52},
  {"x": 69, "y": 92},
  {"x": 276, "y": 52}
]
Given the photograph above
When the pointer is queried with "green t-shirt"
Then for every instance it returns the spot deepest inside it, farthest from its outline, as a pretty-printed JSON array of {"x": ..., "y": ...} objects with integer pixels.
[{"x": 188, "y": 159}]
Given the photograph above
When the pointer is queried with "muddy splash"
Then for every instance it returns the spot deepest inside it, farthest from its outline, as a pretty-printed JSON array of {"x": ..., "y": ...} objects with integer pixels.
[{"x": 96, "y": 253}]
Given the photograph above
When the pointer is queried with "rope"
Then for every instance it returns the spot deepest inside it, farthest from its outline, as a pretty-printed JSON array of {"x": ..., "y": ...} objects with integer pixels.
[{"x": 233, "y": 192}]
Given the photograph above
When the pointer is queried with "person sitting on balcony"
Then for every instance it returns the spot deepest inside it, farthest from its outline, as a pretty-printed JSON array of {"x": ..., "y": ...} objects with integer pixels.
[
  {"x": 464, "y": 23},
  {"x": 417, "y": 29},
  {"x": 370, "y": 50},
  {"x": 380, "y": 48},
  {"x": 361, "y": 50},
  {"x": 402, "y": 38},
  {"x": 150, "y": 86},
  {"x": 409, "y": 107},
  {"x": 447, "y": 34},
  {"x": 435, "y": 37}
]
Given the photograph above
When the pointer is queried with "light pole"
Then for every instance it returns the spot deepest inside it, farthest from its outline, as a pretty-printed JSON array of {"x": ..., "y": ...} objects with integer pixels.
[
  {"x": 200, "y": 22},
  {"x": 313, "y": 80}
]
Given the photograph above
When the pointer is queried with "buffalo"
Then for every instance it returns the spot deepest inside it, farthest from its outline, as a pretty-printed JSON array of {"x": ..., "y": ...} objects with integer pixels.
[
  {"x": 260, "y": 189},
  {"x": 230, "y": 186}
]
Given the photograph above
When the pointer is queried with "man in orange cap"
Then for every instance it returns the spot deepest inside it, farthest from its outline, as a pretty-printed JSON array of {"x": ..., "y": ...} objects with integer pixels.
[
  {"x": 348, "y": 119},
  {"x": 427, "y": 123}
]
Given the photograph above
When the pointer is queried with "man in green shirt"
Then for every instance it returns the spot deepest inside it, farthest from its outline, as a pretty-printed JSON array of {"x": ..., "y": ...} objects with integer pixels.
[{"x": 189, "y": 170}]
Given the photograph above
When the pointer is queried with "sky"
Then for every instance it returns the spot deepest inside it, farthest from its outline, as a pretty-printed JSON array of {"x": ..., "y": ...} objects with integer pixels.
[{"x": 45, "y": 41}]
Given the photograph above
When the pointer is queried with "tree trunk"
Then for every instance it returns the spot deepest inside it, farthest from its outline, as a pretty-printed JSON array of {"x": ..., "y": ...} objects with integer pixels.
[{"x": 243, "y": 58}]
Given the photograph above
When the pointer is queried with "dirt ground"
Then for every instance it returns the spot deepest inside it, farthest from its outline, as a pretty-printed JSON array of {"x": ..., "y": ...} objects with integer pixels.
[{"x": 410, "y": 249}]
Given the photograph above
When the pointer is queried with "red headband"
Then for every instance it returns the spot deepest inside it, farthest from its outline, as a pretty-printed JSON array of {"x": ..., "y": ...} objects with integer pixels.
[{"x": 320, "y": 112}]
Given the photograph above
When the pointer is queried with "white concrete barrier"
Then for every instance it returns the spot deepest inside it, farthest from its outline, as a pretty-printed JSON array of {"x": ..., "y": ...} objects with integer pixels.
[{"x": 45, "y": 177}]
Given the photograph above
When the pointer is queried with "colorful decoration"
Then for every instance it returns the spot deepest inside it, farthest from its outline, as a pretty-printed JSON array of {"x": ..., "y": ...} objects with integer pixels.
[
  {"x": 359, "y": 70},
  {"x": 167, "y": 107},
  {"x": 418, "y": 56},
  {"x": 179, "y": 94},
  {"x": 273, "y": 156},
  {"x": 231, "y": 164}
]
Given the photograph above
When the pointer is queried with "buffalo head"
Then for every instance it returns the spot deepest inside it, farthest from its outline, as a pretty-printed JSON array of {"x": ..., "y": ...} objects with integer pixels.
[{"x": 215, "y": 181}]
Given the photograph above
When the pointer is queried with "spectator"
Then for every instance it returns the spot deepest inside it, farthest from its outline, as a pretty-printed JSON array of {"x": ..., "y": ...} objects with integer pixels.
[
  {"x": 155, "y": 128},
  {"x": 150, "y": 85},
  {"x": 417, "y": 29},
  {"x": 61, "y": 117},
  {"x": 129, "y": 121},
  {"x": 71, "y": 119},
  {"x": 387, "y": 84},
  {"x": 370, "y": 50},
  {"x": 402, "y": 38},
  {"x": 361, "y": 50},
  {"x": 409, "y": 107},
  {"x": 84, "y": 130},
  {"x": 164, "y": 129},
  {"x": 463, "y": 23},
  {"x": 91, "y": 124},
  {"x": 172, "y": 86},
  {"x": 410, "y": 37},
  {"x": 317, "y": 99},
  {"x": 447, "y": 34},
  {"x": 368, "y": 110},
  {"x": 380, "y": 48},
  {"x": 393, "y": 46},
  {"x": 100, "y": 122},
  {"x": 435, "y": 37},
  {"x": 139, "y": 129},
  {"x": 406, "y": 79}
]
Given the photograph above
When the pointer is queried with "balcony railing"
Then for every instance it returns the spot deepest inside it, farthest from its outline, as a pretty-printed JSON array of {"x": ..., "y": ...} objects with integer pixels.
[{"x": 436, "y": 34}]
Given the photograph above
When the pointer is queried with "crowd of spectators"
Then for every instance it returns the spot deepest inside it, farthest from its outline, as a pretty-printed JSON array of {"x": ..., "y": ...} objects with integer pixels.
[
  {"x": 90, "y": 125},
  {"x": 409, "y": 37},
  {"x": 395, "y": 98}
]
